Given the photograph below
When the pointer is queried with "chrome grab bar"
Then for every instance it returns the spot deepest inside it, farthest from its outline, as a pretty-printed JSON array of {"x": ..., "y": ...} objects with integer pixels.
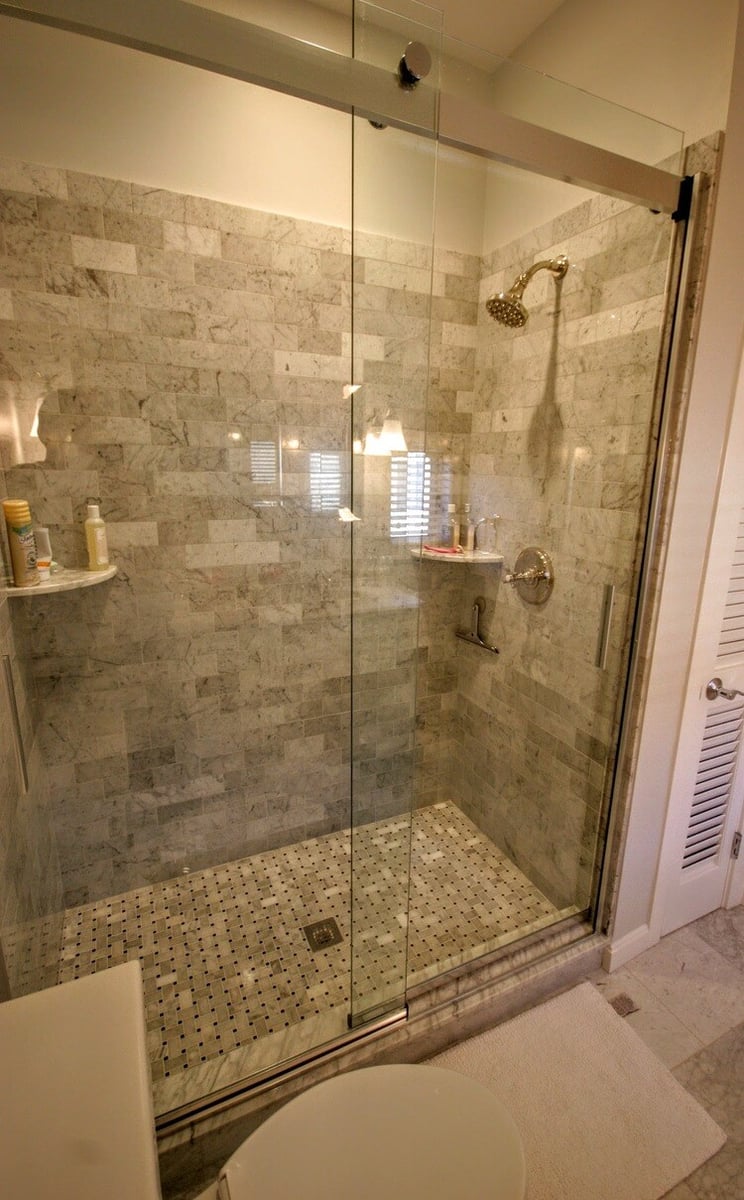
[{"x": 15, "y": 721}]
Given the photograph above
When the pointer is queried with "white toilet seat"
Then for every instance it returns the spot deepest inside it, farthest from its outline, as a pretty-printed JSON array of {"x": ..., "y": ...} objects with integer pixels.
[{"x": 383, "y": 1133}]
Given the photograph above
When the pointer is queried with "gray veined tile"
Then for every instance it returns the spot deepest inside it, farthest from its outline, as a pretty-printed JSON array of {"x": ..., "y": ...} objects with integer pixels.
[
  {"x": 658, "y": 1027},
  {"x": 701, "y": 987}
]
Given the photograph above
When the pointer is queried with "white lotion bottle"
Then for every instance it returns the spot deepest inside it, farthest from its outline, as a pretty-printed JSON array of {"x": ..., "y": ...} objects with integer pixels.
[{"x": 95, "y": 538}]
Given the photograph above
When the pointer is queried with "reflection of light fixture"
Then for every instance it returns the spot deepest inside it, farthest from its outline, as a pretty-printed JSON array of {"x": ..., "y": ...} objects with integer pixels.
[
  {"x": 392, "y": 437},
  {"x": 234, "y": 435},
  {"x": 373, "y": 445},
  {"x": 34, "y": 430},
  {"x": 350, "y": 389},
  {"x": 292, "y": 443}
]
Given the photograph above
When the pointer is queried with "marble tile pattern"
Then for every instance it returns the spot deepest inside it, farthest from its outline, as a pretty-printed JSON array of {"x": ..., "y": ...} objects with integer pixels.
[
  {"x": 30, "y": 876},
  {"x": 193, "y": 356},
  {"x": 562, "y": 414},
  {"x": 226, "y": 962}
]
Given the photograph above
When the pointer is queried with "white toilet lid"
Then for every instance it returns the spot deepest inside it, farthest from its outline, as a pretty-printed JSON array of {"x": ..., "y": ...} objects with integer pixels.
[{"x": 384, "y": 1133}]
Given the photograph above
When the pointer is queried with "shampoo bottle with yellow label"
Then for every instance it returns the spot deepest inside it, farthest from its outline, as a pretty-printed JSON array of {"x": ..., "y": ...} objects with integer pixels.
[
  {"x": 95, "y": 538},
  {"x": 21, "y": 542}
]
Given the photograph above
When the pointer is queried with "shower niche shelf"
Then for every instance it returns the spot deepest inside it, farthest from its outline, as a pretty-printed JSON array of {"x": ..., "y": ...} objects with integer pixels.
[
  {"x": 471, "y": 557},
  {"x": 64, "y": 579}
]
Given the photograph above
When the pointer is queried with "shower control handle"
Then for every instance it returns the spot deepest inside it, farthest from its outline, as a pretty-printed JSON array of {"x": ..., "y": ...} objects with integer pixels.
[
  {"x": 714, "y": 689},
  {"x": 532, "y": 575}
]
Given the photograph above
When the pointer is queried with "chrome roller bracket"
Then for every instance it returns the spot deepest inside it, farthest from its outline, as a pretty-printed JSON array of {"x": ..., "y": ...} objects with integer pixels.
[{"x": 532, "y": 575}]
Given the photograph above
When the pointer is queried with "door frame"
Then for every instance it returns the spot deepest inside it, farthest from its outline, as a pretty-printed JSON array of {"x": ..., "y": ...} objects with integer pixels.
[{"x": 729, "y": 500}]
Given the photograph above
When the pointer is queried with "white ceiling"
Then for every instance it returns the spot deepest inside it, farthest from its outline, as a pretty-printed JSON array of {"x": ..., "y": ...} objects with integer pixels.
[{"x": 497, "y": 27}]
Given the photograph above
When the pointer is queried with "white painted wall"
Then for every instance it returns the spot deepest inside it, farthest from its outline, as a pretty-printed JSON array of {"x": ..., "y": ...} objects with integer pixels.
[
  {"x": 668, "y": 60},
  {"x": 73, "y": 102},
  {"x": 70, "y": 101}
]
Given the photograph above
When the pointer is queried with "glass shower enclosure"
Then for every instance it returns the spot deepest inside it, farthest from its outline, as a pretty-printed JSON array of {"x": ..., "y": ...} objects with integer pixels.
[{"x": 302, "y": 756}]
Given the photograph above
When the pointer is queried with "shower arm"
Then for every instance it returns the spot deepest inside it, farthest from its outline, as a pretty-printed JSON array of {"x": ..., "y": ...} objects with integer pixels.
[{"x": 556, "y": 266}]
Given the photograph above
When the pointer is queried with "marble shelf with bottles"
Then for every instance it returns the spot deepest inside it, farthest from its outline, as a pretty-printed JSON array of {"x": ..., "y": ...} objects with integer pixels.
[
  {"x": 64, "y": 579},
  {"x": 470, "y": 557}
]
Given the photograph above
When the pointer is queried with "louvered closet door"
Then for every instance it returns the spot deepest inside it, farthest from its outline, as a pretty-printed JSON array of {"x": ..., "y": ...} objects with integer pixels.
[{"x": 709, "y": 773}]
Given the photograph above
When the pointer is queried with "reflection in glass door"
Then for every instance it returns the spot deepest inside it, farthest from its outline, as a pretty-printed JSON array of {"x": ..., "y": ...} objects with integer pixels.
[
  {"x": 393, "y": 505},
  {"x": 546, "y": 437}
]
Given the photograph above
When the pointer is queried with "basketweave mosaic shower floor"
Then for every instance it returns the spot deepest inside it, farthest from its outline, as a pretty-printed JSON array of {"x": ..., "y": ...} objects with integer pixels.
[{"x": 224, "y": 955}]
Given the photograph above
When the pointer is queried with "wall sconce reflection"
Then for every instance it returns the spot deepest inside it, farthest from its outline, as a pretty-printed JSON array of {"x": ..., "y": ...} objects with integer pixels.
[
  {"x": 390, "y": 439},
  {"x": 20, "y": 404}
]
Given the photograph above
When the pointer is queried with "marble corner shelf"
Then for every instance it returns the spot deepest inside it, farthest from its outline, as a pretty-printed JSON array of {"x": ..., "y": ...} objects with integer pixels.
[
  {"x": 481, "y": 557},
  {"x": 64, "y": 579}
]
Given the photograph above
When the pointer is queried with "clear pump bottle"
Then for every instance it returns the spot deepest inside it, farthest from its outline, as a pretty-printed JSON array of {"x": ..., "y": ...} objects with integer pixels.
[
  {"x": 467, "y": 534},
  {"x": 453, "y": 526}
]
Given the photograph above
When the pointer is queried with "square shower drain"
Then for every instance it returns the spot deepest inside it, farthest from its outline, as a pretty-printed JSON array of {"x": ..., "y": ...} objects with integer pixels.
[{"x": 322, "y": 934}]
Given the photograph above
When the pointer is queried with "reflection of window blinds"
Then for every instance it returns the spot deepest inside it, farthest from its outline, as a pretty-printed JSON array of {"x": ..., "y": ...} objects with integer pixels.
[
  {"x": 410, "y": 494},
  {"x": 325, "y": 481},
  {"x": 263, "y": 462}
]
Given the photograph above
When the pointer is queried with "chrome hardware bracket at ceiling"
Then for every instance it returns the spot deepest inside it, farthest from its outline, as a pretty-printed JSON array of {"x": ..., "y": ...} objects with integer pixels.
[{"x": 200, "y": 37}]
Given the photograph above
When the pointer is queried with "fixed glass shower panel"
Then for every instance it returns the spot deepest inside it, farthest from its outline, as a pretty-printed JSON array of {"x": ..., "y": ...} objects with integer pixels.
[{"x": 393, "y": 495}]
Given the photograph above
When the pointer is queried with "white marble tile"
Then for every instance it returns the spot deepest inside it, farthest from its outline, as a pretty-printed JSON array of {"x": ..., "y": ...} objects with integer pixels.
[
  {"x": 226, "y": 554},
  {"x": 98, "y": 254},
  {"x": 31, "y": 177},
  {"x": 654, "y": 1023},
  {"x": 696, "y": 983}
]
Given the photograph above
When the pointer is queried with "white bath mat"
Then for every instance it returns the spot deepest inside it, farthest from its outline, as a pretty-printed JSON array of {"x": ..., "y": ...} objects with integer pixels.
[{"x": 601, "y": 1117}]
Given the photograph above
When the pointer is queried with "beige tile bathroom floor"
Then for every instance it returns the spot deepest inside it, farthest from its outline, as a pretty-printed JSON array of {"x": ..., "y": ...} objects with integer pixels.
[
  {"x": 688, "y": 996},
  {"x": 225, "y": 959}
]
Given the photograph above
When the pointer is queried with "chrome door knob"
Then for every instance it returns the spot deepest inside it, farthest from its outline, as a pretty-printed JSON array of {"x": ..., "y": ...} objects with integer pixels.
[{"x": 714, "y": 688}]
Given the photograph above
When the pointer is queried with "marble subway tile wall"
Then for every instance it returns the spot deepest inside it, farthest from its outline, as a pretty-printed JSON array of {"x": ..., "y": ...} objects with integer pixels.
[
  {"x": 30, "y": 877},
  {"x": 426, "y": 381},
  {"x": 193, "y": 357},
  {"x": 561, "y": 440},
  {"x": 442, "y": 586}
]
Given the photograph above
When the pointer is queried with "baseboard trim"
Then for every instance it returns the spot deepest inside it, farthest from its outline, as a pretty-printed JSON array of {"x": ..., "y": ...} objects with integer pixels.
[{"x": 629, "y": 946}]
